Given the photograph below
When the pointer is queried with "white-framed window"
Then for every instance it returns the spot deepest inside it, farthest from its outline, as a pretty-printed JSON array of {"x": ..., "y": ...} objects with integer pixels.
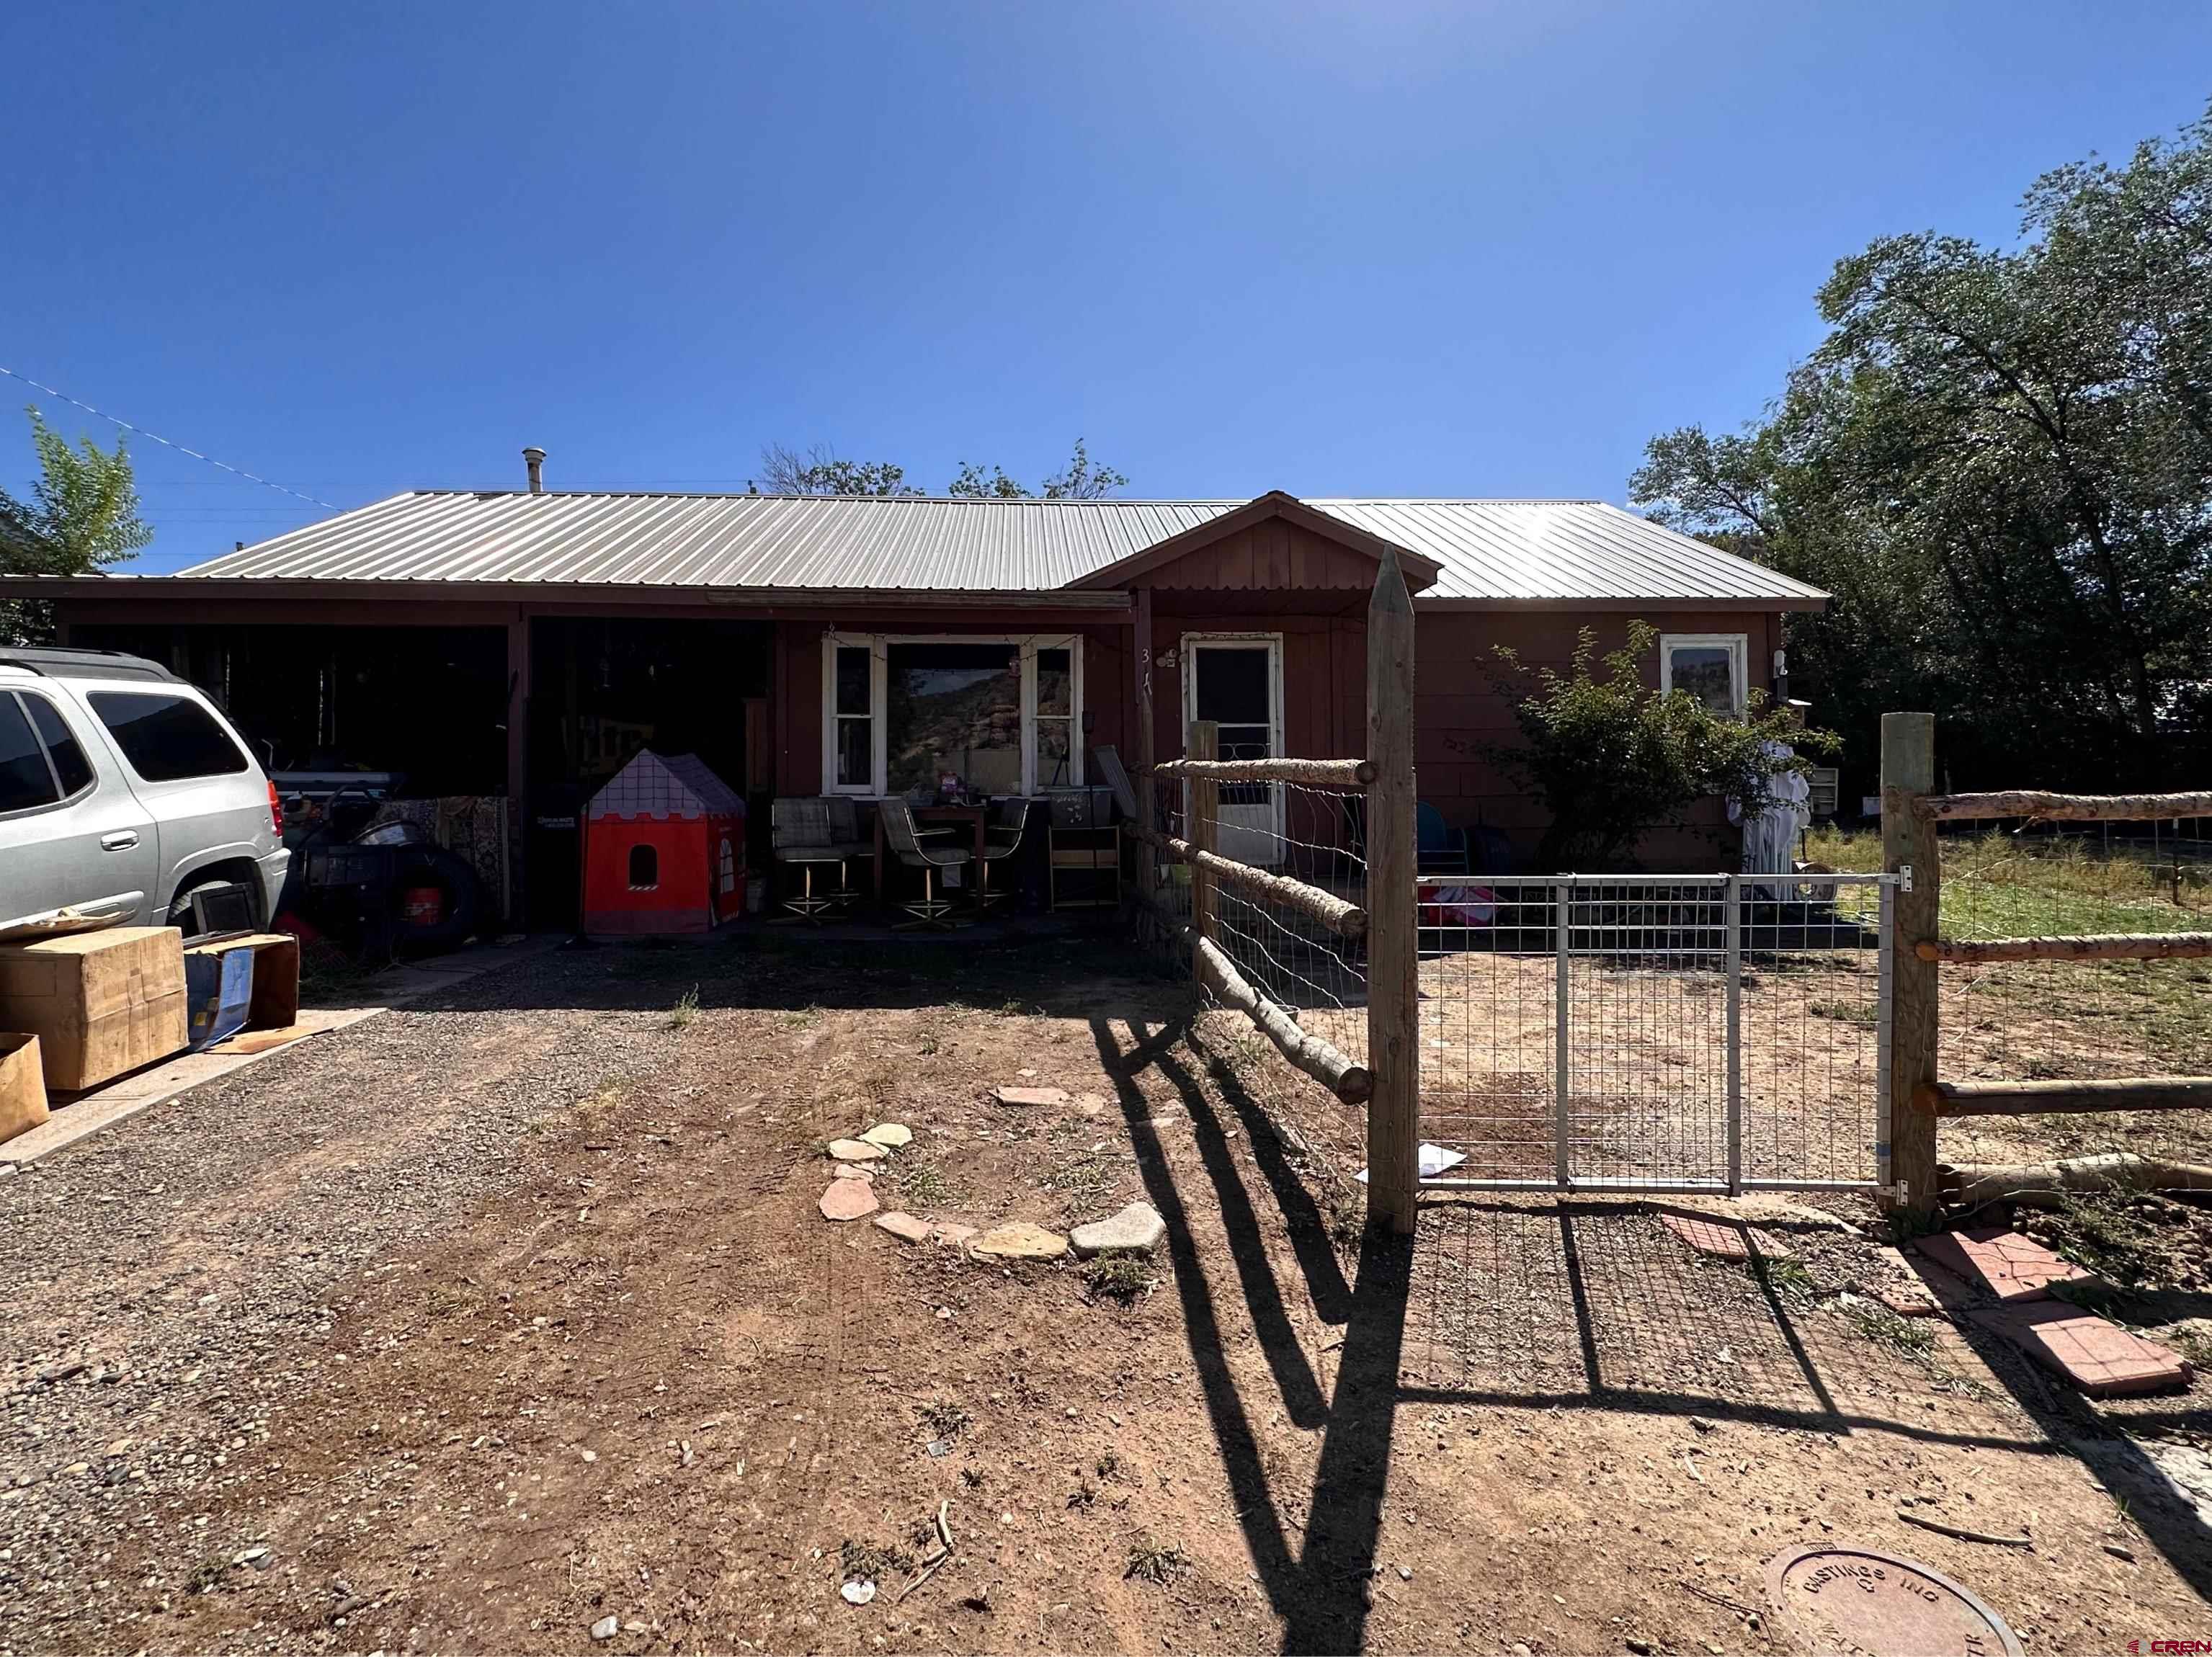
[
  {"x": 1003, "y": 712},
  {"x": 1709, "y": 665}
]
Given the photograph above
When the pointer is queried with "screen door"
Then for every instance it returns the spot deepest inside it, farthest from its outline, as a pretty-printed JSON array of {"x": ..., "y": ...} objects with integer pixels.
[{"x": 1238, "y": 684}]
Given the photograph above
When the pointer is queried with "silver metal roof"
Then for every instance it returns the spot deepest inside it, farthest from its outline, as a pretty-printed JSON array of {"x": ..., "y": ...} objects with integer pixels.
[{"x": 1488, "y": 549}]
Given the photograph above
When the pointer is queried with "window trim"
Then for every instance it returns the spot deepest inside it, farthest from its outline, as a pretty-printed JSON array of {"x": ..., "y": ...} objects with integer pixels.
[
  {"x": 878, "y": 647},
  {"x": 1738, "y": 645},
  {"x": 60, "y": 800},
  {"x": 1188, "y": 647}
]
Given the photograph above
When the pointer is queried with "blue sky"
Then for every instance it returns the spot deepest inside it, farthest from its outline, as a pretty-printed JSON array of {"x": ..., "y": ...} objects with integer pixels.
[{"x": 1386, "y": 248}]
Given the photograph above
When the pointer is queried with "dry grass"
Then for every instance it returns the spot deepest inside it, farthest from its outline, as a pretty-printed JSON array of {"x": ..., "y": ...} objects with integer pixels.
[{"x": 1151, "y": 1561}]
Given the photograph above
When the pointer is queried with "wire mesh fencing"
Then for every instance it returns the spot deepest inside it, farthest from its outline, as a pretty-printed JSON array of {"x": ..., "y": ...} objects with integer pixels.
[
  {"x": 1679, "y": 1032},
  {"x": 2069, "y": 1020},
  {"x": 1280, "y": 950}
]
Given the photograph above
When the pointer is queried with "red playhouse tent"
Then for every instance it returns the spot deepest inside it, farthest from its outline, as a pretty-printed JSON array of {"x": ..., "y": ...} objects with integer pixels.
[{"x": 663, "y": 848}]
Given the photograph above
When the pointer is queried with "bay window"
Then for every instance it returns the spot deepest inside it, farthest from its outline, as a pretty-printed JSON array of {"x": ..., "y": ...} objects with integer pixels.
[{"x": 1003, "y": 714}]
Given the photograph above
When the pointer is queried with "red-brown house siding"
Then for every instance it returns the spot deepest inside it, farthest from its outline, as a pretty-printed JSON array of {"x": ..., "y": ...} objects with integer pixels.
[
  {"x": 1273, "y": 556},
  {"x": 1460, "y": 713},
  {"x": 1324, "y": 675}
]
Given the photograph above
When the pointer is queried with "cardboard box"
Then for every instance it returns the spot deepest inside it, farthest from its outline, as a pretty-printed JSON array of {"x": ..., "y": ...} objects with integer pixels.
[
  {"x": 275, "y": 1002},
  {"x": 23, "y": 1087},
  {"x": 219, "y": 988},
  {"x": 99, "y": 1003}
]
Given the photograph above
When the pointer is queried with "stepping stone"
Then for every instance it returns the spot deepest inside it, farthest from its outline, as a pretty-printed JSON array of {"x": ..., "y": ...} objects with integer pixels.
[
  {"x": 889, "y": 1135},
  {"x": 948, "y": 1231},
  {"x": 853, "y": 1171},
  {"x": 848, "y": 1200},
  {"x": 904, "y": 1226},
  {"x": 2011, "y": 1267},
  {"x": 1019, "y": 1242},
  {"x": 1047, "y": 1098},
  {"x": 2101, "y": 1358},
  {"x": 1139, "y": 1227},
  {"x": 1725, "y": 1242},
  {"x": 856, "y": 1150}
]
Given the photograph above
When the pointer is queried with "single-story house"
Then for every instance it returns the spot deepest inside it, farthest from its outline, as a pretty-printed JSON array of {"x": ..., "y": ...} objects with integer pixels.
[{"x": 527, "y": 643}]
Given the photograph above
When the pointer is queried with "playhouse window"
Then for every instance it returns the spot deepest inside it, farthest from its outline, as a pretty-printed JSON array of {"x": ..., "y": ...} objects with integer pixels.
[
  {"x": 727, "y": 866},
  {"x": 1002, "y": 714},
  {"x": 644, "y": 869}
]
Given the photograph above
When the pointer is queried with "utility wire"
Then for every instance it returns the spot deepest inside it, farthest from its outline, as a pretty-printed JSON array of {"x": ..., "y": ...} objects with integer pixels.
[{"x": 236, "y": 471}]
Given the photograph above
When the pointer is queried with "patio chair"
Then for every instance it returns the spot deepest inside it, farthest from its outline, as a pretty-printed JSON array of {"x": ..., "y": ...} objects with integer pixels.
[
  {"x": 1438, "y": 848},
  {"x": 908, "y": 842},
  {"x": 1001, "y": 840},
  {"x": 799, "y": 836},
  {"x": 845, "y": 834}
]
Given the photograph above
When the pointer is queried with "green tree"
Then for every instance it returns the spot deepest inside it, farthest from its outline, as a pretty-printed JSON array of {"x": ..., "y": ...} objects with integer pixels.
[
  {"x": 973, "y": 483},
  {"x": 1611, "y": 758},
  {"x": 81, "y": 516},
  {"x": 2000, "y": 462},
  {"x": 819, "y": 471},
  {"x": 1080, "y": 480}
]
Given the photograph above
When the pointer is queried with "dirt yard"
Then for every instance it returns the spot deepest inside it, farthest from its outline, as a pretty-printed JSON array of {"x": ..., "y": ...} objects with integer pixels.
[{"x": 482, "y": 1322}]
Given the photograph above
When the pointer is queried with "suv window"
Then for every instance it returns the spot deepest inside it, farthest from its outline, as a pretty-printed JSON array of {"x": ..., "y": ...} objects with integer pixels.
[
  {"x": 71, "y": 768},
  {"x": 25, "y": 781},
  {"x": 166, "y": 738}
]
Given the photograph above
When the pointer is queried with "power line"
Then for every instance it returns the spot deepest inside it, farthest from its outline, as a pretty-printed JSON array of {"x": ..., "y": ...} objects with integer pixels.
[{"x": 236, "y": 471}]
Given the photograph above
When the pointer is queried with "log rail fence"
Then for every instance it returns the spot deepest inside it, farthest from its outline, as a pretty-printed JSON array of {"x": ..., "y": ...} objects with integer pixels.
[
  {"x": 1388, "y": 1083},
  {"x": 1919, "y": 1098}
]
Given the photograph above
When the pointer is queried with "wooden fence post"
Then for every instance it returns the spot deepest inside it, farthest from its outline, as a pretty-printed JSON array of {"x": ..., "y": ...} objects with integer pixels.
[
  {"x": 1908, "y": 842},
  {"x": 1203, "y": 742},
  {"x": 1394, "y": 1049},
  {"x": 1148, "y": 862}
]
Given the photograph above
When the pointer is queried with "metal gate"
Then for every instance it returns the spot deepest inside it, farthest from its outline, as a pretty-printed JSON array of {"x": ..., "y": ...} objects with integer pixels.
[{"x": 1657, "y": 1033}]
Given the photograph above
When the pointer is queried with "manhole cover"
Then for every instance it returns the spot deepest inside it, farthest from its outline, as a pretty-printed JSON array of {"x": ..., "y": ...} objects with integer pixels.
[{"x": 1852, "y": 1600}]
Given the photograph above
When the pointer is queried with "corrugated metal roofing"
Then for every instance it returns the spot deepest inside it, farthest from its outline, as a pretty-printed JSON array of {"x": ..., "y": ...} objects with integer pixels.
[{"x": 1487, "y": 549}]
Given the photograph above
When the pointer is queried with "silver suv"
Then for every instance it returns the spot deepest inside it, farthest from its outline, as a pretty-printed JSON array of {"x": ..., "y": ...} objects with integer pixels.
[{"x": 124, "y": 790}]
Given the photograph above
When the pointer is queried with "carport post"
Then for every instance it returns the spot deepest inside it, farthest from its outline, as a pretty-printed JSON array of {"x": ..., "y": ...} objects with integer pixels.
[
  {"x": 518, "y": 764},
  {"x": 1393, "y": 1048},
  {"x": 1148, "y": 882}
]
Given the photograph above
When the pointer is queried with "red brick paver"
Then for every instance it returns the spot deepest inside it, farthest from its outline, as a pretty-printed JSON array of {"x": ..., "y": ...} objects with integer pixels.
[
  {"x": 2012, "y": 1267},
  {"x": 1723, "y": 1240},
  {"x": 2101, "y": 1358}
]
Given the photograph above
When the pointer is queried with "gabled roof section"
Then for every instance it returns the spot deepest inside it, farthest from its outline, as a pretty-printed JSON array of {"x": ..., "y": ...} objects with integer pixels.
[
  {"x": 1472, "y": 552},
  {"x": 1420, "y": 572}
]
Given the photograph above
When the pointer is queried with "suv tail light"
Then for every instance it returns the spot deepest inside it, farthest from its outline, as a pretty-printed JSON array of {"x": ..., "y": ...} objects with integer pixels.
[{"x": 276, "y": 811}]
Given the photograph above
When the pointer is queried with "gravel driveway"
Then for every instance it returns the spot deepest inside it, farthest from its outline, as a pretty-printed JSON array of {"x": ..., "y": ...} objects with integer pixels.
[{"x": 168, "y": 1283}]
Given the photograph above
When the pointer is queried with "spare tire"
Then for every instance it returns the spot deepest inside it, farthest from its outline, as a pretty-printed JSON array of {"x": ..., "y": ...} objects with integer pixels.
[{"x": 432, "y": 865}]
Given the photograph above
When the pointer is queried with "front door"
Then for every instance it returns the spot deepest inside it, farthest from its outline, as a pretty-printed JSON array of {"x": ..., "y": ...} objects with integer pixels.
[{"x": 1237, "y": 682}]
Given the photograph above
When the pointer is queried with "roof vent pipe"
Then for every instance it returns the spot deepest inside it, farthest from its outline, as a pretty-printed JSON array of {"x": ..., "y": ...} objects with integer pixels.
[{"x": 534, "y": 457}]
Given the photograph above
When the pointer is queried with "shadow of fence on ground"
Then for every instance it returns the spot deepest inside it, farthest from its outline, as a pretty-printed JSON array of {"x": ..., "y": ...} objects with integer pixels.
[{"x": 1583, "y": 1304}]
